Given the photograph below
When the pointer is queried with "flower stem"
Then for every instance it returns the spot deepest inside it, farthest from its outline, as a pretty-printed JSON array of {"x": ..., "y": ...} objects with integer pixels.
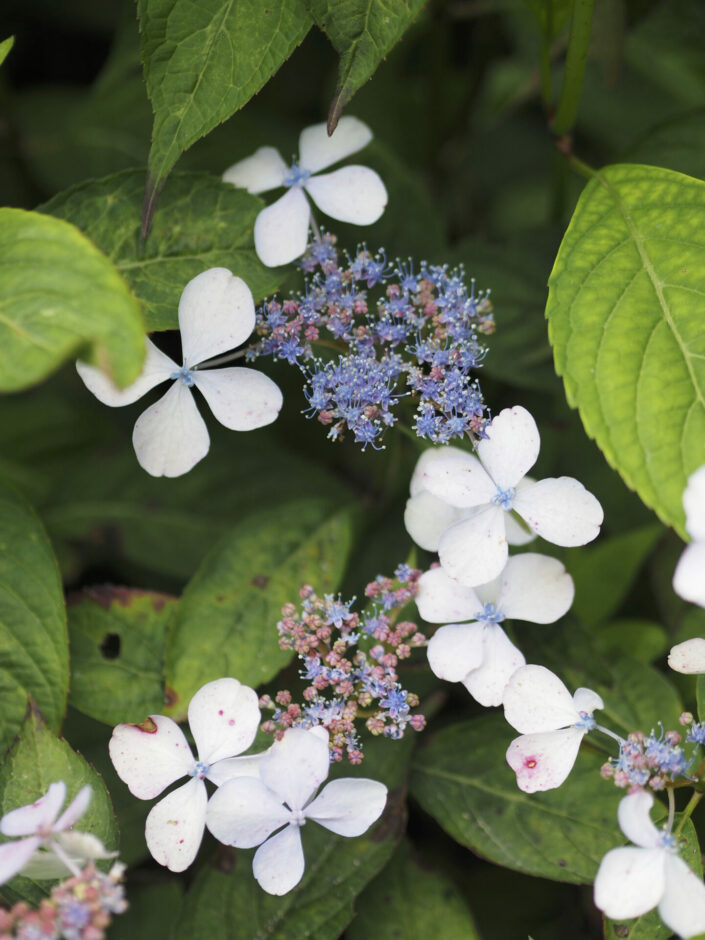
[
  {"x": 671, "y": 809},
  {"x": 219, "y": 360},
  {"x": 576, "y": 59},
  {"x": 688, "y": 811}
]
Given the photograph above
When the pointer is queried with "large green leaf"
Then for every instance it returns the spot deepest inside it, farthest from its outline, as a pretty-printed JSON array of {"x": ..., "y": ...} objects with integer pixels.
[
  {"x": 227, "y": 619},
  {"x": 201, "y": 223},
  {"x": 5, "y": 47},
  {"x": 362, "y": 33},
  {"x": 202, "y": 62},
  {"x": 59, "y": 295},
  {"x": 33, "y": 637},
  {"x": 626, "y": 311}
]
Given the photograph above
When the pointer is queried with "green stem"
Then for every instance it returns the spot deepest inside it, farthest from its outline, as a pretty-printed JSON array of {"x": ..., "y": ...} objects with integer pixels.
[
  {"x": 545, "y": 68},
  {"x": 688, "y": 812},
  {"x": 576, "y": 59}
]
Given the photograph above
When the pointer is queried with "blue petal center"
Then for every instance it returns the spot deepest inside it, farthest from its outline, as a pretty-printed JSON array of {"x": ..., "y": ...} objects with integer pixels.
[
  {"x": 184, "y": 373},
  {"x": 504, "y": 498},
  {"x": 296, "y": 175}
]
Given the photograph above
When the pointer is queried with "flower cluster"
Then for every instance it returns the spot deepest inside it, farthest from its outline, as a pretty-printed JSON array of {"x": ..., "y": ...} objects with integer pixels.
[
  {"x": 350, "y": 664},
  {"x": 648, "y": 761}
]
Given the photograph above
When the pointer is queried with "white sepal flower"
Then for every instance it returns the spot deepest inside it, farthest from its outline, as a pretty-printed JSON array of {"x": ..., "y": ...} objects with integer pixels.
[
  {"x": 552, "y": 725},
  {"x": 688, "y": 657},
  {"x": 223, "y": 716},
  {"x": 216, "y": 314},
  {"x": 632, "y": 880},
  {"x": 353, "y": 194},
  {"x": 270, "y": 811},
  {"x": 689, "y": 576},
  {"x": 560, "y": 510},
  {"x": 480, "y": 655}
]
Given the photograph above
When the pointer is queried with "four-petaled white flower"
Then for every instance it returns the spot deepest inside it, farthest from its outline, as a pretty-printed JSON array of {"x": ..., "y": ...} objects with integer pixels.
[
  {"x": 560, "y": 510},
  {"x": 354, "y": 194},
  {"x": 552, "y": 725},
  {"x": 49, "y": 848},
  {"x": 216, "y": 314},
  {"x": 632, "y": 880},
  {"x": 688, "y": 657},
  {"x": 223, "y": 716},
  {"x": 244, "y": 812},
  {"x": 481, "y": 655},
  {"x": 689, "y": 576}
]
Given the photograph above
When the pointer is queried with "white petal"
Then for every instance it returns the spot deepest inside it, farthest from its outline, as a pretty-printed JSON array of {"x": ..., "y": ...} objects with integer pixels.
[
  {"x": 688, "y": 657},
  {"x": 511, "y": 448},
  {"x": 454, "y": 650},
  {"x": 278, "y": 864},
  {"x": 170, "y": 437},
  {"x": 83, "y": 846},
  {"x": 630, "y": 882},
  {"x": 281, "y": 230},
  {"x": 148, "y": 761},
  {"x": 349, "y": 806},
  {"x": 232, "y": 767},
  {"x": 157, "y": 368},
  {"x": 261, "y": 171},
  {"x": 243, "y": 812},
  {"x": 560, "y": 510},
  {"x": 76, "y": 808},
  {"x": 536, "y": 700},
  {"x": 517, "y": 533},
  {"x": 15, "y": 855},
  {"x": 682, "y": 906},
  {"x": 241, "y": 399},
  {"x": 426, "y": 518},
  {"x": 174, "y": 827},
  {"x": 78, "y": 847},
  {"x": 430, "y": 454},
  {"x": 295, "y": 767},
  {"x": 689, "y": 576},
  {"x": 26, "y": 820},
  {"x": 440, "y": 599},
  {"x": 635, "y": 821},
  {"x": 459, "y": 479},
  {"x": 223, "y": 716},
  {"x": 543, "y": 761},
  {"x": 694, "y": 505},
  {"x": 587, "y": 701},
  {"x": 474, "y": 550},
  {"x": 216, "y": 314},
  {"x": 536, "y": 588},
  {"x": 317, "y": 150},
  {"x": 45, "y": 863},
  {"x": 354, "y": 194},
  {"x": 500, "y": 661}
]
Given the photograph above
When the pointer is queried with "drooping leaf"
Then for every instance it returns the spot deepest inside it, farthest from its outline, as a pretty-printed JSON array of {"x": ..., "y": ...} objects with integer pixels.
[
  {"x": 5, "y": 47},
  {"x": 625, "y": 311},
  {"x": 60, "y": 296}
]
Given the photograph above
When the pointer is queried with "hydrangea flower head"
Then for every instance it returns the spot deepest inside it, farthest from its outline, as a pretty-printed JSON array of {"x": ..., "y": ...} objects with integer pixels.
[
  {"x": 688, "y": 657},
  {"x": 689, "y": 576},
  {"x": 216, "y": 314},
  {"x": 353, "y": 194}
]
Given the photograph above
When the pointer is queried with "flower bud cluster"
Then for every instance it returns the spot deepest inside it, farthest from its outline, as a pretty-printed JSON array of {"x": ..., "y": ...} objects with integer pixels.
[{"x": 647, "y": 761}]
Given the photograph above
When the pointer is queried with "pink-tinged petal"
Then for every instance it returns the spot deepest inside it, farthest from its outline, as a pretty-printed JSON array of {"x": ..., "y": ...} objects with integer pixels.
[
  {"x": 232, "y": 767},
  {"x": 454, "y": 650},
  {"x": 354, "y": 194},
  {"x": 682, "y": 907},
  {"x": 174, "y": 827},
  {"x": 689, "y": 576},
  {"x": 278, "y": 864},
  {"x": 281, "y": 230},
  {"x": 500, "y": 661},
  {"x": 170, "y": 437},
  {"x": 543, "y": 761},
  {"x": 241, "y": 399},
  {"x": 349, "y": 806},
  {"x": 560, "y": 510},
  {"x": 440, "y": 599},
  {"x": 261, "y": 171},
  {"x": 460, "y": 480},
  {"x": 511, "y": 447},
  {"x": 688, "y": 657},
  {"x": 150, "y": 756},
  {"x": 586, "y": 701},
  {"x": 318, "y": 150},
  {"x": 635, "y": 821},
  {"x": 76, "y": 808},
  {"x": 694, "y": 505},
  {"x": 630, "y": 882},
  {"x": 244, "y": 812},
  {"x": 157, "y": 368},
  {"x": 430, "y": 454},
  {"x": 26, "y": 820},
  {"x": 426, "y": 518},
  {"x": 535, "y": 588},
  {"x": 536, "y": 700},
  {"x": 223, "y": 716},
  {"x": 14, "y": 856},
  {"x": 295, "y": 767},
  {"x": 216, "y": 314},
  {"x": 474, "y": 550}
]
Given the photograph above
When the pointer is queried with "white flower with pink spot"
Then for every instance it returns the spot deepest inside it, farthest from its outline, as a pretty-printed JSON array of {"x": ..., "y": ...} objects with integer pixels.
[{"x": 688, "y": 657}]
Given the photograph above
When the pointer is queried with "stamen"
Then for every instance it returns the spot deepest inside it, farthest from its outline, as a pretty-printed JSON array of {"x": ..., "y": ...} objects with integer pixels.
[
  {"x": 296, "y": 175},
  {"x": 184, "y": 373},
  {"x": 504, "y": 498}
]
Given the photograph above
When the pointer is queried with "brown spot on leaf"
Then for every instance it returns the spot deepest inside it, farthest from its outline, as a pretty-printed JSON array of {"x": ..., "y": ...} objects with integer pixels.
[
  {"x": 148, "y": 726},
  {"x": 225, "y": 859},
  {"x": 260, "y": 581},
  {"x": 170, "y": 696},
  {"x": 622, "y": 930},
  {"x": 107, "y": 594}
]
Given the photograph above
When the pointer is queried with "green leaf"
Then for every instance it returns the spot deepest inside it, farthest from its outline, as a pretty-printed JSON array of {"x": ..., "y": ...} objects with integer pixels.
[
  {"x": 60, "y": 296},
  {"x": 239, "y": 591},
  {"x": 362, "y": 33},
  {"x": 118, "y": 641},
  {"x": 33, "y": 637},
  {"x": 201, "y": 223},
  {"x": 37, "y": 759},
  {"x": 700, "y": 692},
  {"x": 202, "y": 62},
  {"x": 461, "y": 778},
  {"x": 151, "y": 914},
  {"x": 644, "y": 640},
  {"x": 625, "y": 311},
  {"x": 5, "y": 47}
]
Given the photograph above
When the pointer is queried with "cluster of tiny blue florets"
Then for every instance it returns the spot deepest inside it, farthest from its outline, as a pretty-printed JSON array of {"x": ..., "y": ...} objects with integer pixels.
[
  {"x": 418, "y": 341},
  {"x": 648, "y": 760}
]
